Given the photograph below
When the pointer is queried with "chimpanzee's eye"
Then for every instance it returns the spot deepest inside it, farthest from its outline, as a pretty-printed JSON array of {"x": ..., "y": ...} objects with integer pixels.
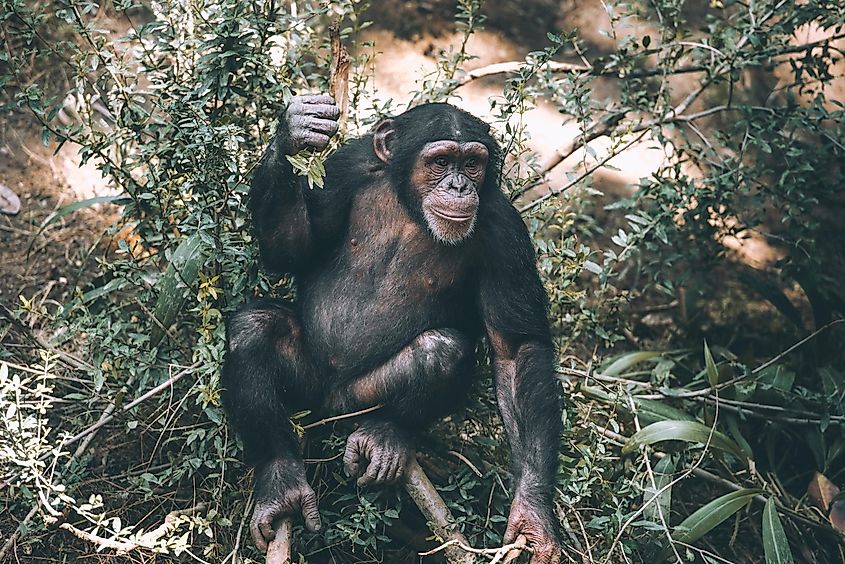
[
  {"x": 441, "y": 161},
  {"x": 471, "y": 163}
]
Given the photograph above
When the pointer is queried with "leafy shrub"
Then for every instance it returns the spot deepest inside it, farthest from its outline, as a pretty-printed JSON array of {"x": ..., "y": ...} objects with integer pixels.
[{"x": 177, "y": 110}]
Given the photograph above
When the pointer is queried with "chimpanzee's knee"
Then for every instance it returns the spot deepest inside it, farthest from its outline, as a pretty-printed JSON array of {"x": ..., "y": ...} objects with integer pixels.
[
  {"x": 262, "y": 325},
  {"x": 265, "y": 365},
  {"x": 445, "y": 356}
]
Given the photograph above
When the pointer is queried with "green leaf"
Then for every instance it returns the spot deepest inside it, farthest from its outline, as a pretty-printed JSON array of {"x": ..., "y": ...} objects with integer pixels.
[
  {"x": 712, "y": 371},
  {"x": 662, "y": 505},
  {"x": 648, "y": 410},
  {"x": 778, "y": 377},
  {"x": 181, "y": 274},
  {"x": 625, "y": 361},
  {"x": 687, "y": 431},
  {"x": 775, "y": 544},
  {"x": 706, "y": 518},
  {"x": 70, "y": 208}
]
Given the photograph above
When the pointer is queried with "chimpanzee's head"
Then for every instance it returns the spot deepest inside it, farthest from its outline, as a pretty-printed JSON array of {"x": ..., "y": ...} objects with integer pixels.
[{"x": 442, "y": 160}]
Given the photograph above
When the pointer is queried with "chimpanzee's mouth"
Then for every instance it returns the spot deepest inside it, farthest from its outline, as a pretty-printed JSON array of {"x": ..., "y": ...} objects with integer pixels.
[{"x": 459, "y": 218}]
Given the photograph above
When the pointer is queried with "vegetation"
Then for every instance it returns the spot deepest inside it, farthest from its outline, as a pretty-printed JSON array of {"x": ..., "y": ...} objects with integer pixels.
[{"x": 704, "y": 415}]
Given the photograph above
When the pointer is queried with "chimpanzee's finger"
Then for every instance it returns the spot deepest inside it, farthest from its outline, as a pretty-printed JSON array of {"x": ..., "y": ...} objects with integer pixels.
[
  {"x": 400, "y": 470},
  {"x": 326, "y": 126},
  {"x": 390, "y": 472},
  {"x": 326, "y": 111},
  {"x": 314, "y": 139},
  {"x": 548, "y": 554},
  {"x": 372, "y": 470},
  {"x": 314, "y": 99},
  {"x": 310, "y": 512},
  {"x": 384, "y": 473},
  {"x": 262, "y": 532},
  {"x": 351, "y": 458},
  {"x": 510, "y": 533}
]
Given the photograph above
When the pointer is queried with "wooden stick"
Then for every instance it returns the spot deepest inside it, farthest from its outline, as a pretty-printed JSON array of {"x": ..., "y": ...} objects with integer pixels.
[
  {"x": 280, "y": 548},
  {"x": 438, "y": 516},
  {"x": 339, "y": 75}
]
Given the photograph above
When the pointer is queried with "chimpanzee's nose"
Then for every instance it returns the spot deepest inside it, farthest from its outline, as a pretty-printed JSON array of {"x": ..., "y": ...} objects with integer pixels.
[{"x": 460, "y": 183}]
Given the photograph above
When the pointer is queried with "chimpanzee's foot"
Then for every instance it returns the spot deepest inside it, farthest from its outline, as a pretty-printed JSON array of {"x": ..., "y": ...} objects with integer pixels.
[
  {"x": 384, "y": 447},
  {"x": 281, "y": 490}
]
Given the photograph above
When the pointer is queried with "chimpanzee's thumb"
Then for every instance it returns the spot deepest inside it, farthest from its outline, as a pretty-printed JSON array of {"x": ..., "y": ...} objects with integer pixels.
[{"x": 310, "y": 512}]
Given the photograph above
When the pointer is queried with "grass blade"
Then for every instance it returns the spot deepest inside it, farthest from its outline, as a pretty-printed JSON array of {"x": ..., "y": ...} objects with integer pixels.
[
  {"x": 708, "y": 517},
  {"x": 687, "y": 431},
  {"x": 663, "y": 471},
  {"x": 712, "y": 371},
  {"x": 625, "y": 361},
  {"x": 775, "y": 544}
]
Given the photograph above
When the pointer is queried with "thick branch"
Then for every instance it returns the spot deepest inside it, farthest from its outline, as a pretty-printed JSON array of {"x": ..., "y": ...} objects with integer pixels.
[
  {"x": 438, "y": 516},
  {"x": 279, "y": 550}
]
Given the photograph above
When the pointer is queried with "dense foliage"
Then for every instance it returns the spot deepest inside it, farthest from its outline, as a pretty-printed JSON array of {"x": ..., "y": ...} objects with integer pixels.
[{"x": 113, "y": 420}]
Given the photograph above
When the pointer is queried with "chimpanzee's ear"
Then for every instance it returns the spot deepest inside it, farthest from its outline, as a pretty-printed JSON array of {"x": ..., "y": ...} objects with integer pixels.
[{"x": 384, "y": 138}]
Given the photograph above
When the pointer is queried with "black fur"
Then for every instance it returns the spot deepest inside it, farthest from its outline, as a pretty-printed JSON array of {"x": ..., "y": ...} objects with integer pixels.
[{"x": 385, "y": 314}]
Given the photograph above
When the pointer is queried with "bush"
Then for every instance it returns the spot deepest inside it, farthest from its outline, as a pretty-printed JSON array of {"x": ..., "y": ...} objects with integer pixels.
[{"x": 177, "y": 110}]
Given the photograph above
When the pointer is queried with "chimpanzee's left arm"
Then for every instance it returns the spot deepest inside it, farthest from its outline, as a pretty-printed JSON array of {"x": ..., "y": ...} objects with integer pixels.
[{"x": 514, "y": 308}]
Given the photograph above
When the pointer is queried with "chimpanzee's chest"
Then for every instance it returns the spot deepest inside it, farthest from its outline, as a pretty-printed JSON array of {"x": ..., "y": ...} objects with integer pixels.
[{"x": 387, "y": 282}]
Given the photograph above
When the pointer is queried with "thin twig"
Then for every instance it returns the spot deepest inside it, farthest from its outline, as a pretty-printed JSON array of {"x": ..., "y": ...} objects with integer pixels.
[
  {"x": 146, "y": 540},
  {"x": 104, "y": 421},
  {"x": 69, "y": 359},
  {"x": 466, "y": 461},
  {"x": 504, "y": 554},
  {"x": 334, "y": 418},
  {"x": 17, "y": 532}
]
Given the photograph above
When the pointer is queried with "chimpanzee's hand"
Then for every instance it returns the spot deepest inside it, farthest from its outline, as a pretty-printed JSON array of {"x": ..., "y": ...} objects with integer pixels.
[
  {"x": 528, "y": 519},
  {"x": 309, "y": 121},
  {"x": 281, "y": 490},
  {"x": 385, "y": 447}
]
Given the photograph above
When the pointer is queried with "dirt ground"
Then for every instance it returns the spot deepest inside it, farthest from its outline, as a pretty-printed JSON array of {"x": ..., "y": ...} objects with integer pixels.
[{"x": 46, "y": 264}]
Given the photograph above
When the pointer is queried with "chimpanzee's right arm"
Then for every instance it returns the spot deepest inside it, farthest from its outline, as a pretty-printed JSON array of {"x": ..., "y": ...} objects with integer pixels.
[{"x": 280, "y": 209}]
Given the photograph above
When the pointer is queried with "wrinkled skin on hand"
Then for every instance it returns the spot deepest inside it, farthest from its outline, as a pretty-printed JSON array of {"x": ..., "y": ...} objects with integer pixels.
[
  {"x": 311, "y": 121},
  {"x": 281, "y": 490},
  {"x": 385, "y": 448},
  {"x": 529, "y": 518}
]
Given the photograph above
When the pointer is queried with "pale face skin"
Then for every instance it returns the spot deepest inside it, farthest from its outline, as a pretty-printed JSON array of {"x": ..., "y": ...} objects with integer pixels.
[{"x": 446, "y": 178}]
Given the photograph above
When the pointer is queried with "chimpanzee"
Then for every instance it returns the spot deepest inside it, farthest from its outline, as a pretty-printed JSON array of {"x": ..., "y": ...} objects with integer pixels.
[{"x": 409, "y": 254}]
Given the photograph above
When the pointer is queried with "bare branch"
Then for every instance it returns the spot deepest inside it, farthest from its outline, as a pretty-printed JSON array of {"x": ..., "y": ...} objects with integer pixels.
[
  {"x": 279, "y": 550},
  {"x": 438, "y": 516}
]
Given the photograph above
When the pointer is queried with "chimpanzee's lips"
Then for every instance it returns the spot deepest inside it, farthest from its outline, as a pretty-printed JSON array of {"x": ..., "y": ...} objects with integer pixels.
[{"x": 452, "y": 216}]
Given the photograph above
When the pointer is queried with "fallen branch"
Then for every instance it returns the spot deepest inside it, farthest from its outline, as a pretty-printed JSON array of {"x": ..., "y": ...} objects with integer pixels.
[
  {"x": 438, "y": 516},
  {"x": 145, "y": 540},
  {"x": 504, "y": 554},
  {"x": 512, "y": 67},
  {"x": 279, "y": 550}
]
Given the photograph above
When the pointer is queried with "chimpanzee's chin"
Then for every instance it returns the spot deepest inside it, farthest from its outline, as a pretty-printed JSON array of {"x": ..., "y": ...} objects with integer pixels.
[{"x": 448, "y": 231}]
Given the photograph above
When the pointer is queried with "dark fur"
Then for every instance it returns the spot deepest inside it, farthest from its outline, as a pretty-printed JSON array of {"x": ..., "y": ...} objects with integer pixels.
[{"x": 384, "y": 311}]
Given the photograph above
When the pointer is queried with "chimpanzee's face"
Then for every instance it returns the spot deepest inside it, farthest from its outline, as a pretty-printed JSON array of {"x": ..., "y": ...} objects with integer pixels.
[{"x": 445, "y": 179}]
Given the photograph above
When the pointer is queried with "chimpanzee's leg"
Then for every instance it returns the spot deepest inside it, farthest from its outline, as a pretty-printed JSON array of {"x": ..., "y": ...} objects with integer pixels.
[
  {"x": 420, "y": 383},
  {"x": 266, "y": 374}
]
